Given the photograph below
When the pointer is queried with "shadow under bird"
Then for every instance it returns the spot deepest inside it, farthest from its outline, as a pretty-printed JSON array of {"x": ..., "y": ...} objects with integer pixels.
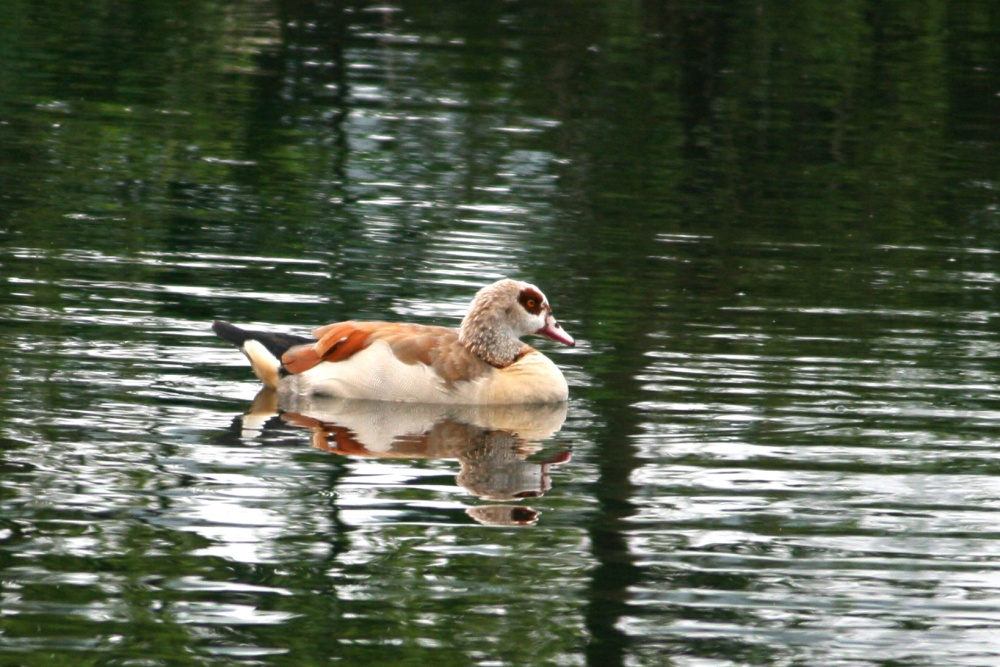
[{"x": 483, "y": 362}]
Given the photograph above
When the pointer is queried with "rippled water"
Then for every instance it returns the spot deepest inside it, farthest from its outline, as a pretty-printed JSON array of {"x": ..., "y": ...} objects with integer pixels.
[
  {"x": 774, "y": 481},
  {"x": 778, "y": 255}
]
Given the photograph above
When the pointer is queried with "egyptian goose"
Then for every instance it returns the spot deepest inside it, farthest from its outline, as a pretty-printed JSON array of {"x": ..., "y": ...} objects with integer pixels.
[{"x": 483, "y": 362}]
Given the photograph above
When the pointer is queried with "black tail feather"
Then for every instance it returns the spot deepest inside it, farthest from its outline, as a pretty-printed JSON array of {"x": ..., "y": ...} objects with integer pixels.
[{"x": 276, "y": 343}]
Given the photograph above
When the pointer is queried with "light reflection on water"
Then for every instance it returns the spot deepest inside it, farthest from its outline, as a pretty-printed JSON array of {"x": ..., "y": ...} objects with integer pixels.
[
  {"x": 786, "y": 490},
  {"x": 802, "y": 478},
  {"x": 778, "y": 263}
]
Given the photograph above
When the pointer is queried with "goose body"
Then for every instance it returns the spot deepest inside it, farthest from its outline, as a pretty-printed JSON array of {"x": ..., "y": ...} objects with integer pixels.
[{"x": 483, "y": 362}]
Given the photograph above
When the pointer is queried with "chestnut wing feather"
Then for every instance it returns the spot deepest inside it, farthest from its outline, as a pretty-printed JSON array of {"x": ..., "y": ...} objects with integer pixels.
[{"x": 437, "y": 347}]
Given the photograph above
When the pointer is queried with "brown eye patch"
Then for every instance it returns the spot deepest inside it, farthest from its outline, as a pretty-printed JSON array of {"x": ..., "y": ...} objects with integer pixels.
[{"x": 531, "y": 300}]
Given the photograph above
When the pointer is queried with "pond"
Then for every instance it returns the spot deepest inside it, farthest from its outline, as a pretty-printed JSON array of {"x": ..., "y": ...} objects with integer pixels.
[{"x": 774, "y": 232}]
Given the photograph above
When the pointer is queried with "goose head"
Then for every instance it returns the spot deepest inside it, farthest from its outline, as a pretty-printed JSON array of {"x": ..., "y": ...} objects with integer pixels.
[{"x": 501, "y": 314}]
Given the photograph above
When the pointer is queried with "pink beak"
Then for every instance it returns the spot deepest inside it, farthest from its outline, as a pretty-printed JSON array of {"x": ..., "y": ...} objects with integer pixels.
[{"x": 554, "y": 330}]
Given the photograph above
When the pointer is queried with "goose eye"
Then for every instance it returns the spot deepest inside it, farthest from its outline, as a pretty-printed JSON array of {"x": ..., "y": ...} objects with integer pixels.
[{"x": 531, "y": 301}]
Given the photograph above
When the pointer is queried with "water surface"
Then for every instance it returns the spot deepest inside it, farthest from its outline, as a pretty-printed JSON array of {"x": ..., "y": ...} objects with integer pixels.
[{"x": 773, "y": 231}]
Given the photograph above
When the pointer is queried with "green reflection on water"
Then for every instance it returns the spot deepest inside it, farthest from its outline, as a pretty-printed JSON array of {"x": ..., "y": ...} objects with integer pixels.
[{"x": 747, "y": 211}]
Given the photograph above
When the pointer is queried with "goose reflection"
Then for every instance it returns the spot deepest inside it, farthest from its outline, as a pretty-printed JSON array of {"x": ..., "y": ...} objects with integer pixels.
[{"x": 491, "y": 443}]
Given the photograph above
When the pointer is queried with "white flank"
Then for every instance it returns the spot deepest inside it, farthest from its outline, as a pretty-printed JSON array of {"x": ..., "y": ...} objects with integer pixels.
[{"x": 375, "y": 374}]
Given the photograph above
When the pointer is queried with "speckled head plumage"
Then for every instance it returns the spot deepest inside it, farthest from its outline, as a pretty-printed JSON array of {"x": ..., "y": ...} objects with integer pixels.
[{"x": 503, "y": 312}]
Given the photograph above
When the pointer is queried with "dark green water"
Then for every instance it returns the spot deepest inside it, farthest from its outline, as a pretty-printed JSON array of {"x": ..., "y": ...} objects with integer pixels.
[{"x": 774, "y": 229}]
